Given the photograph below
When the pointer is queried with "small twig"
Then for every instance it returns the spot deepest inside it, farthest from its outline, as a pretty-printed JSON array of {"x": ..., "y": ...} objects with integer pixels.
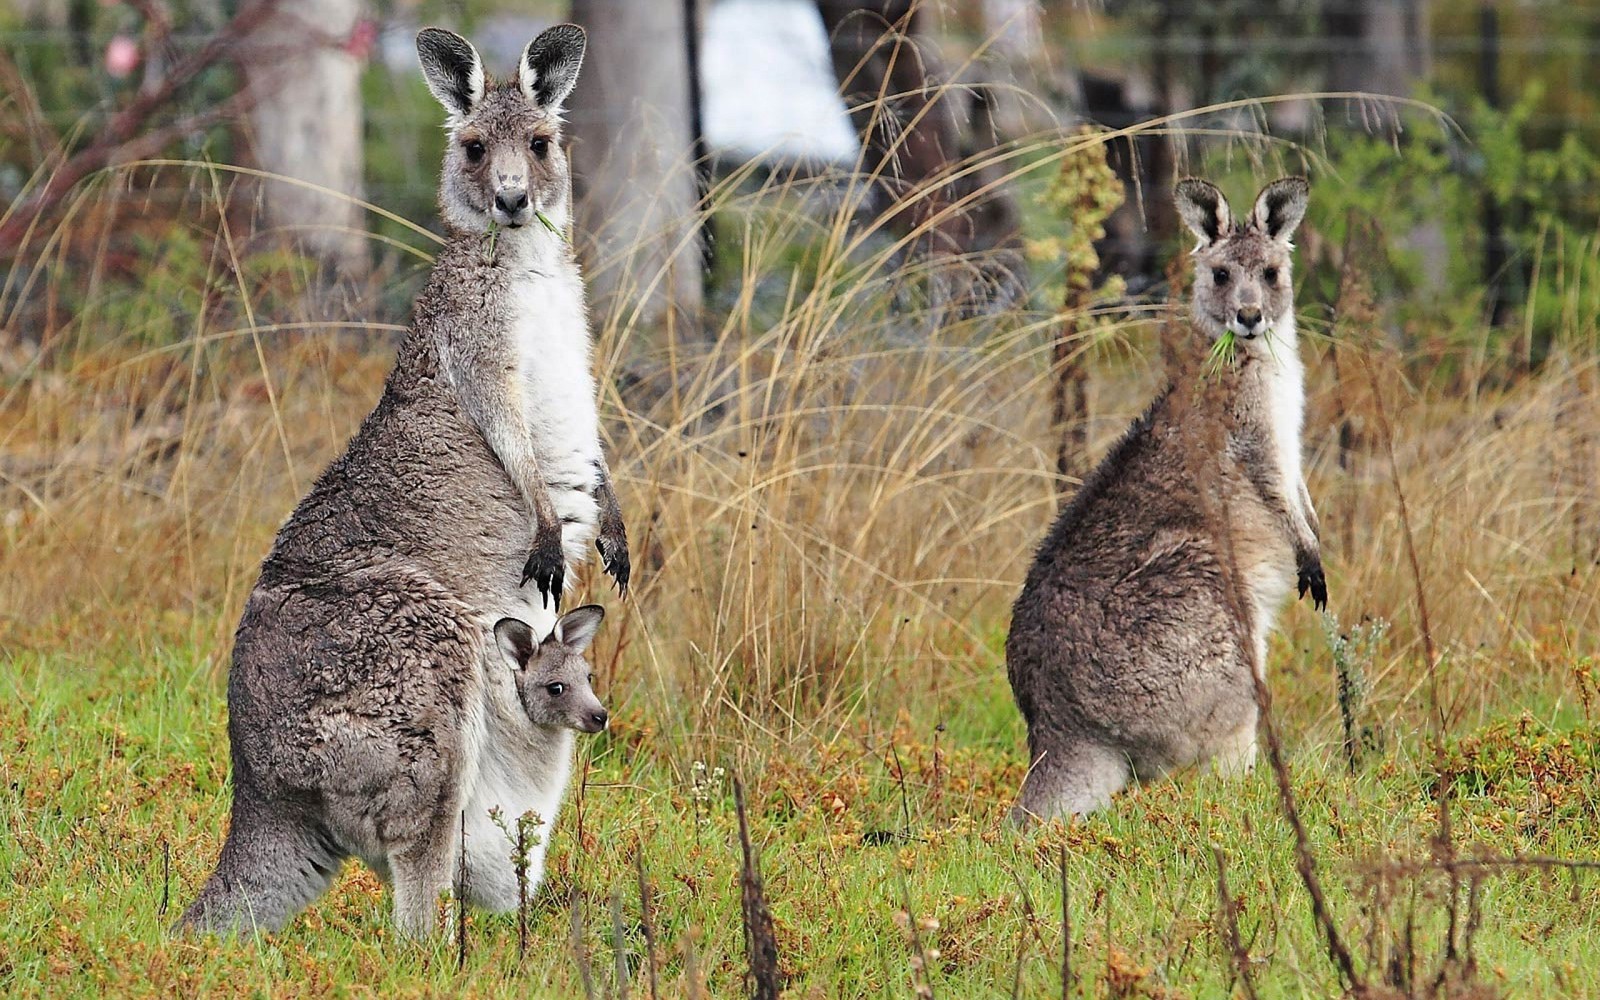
[
  {"x": 760, "y": 940},
  {"x": 1030, "y": 916},
  {"x": 905, "y": 800},
  {"x": 461, "y": 899},
  {"x": 647, "y": 915},
  {"x": 1445, "y": 850},
  {"x": 579, "y": 952},
  {"x": 1305, "y": 860},
  {"x": 1066, "y": 928},
  {"x": 1405, "y": 868},
  {"x": 1106, "y": 893},
  {"x": 1474, "y": 921},
  {"x": 166, "y": 877},
  {"x": 1228, "y": 909},
  {"x": 1016, "y": 971},
  {"x": 522, "y": 890},
  {"x": 1423, "y": 620},
  {"x": 691, "y": 968},
  {"x": 922, "y": 977},
  {"x": 583, "y": 800},
  {"x": 619, "y": 947}
]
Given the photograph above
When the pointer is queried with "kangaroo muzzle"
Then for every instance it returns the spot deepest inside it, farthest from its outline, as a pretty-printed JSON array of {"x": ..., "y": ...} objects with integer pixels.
[
  {"x": 1248, "y": 321},
  {"x": 591, "y": 718},
  {"x": 512, "y": 207}
]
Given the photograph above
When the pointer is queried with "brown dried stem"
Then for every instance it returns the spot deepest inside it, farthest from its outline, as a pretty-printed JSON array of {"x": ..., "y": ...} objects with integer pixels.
[
  {"x": 760, "y": 940},
  {"x": 121, "y": 140}
]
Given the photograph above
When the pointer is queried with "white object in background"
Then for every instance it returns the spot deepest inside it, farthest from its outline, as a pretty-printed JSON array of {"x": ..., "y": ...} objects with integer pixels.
[{"x": 769, "y": 87}]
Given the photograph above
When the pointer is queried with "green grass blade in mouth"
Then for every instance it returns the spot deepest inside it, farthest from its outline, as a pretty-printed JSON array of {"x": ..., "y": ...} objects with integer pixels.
[
  {"x": 545, "y": 219},
  {"x": 1223, "y": 352}
]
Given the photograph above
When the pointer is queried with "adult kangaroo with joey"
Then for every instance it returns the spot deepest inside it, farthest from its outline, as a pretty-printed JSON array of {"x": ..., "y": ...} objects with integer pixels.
[
  {"x": 1143, "y": 623},
  {"x": 369, "y": 712}
]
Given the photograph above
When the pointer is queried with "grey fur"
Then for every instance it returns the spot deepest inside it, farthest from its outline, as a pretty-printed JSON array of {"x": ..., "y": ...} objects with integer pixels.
[
  {"x": 452, "y": 69},
  {"x": 553, "y": 679},
  {"x": 549, "y": 66},
  {"x": 1130, "y": 654},
  {"x": 365, "y": 684}
]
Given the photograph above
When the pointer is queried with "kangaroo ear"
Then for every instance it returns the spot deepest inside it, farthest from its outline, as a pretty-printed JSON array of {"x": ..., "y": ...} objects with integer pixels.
[
  {"x": 452, "y": 68},
  {"x": 1203, "y": 209},
  {"x": 549, "y": 65},
  {"x": 577, "y": 628},
  {"x": 1280, "y": 206},
  {"x": 515, "y": 640}
]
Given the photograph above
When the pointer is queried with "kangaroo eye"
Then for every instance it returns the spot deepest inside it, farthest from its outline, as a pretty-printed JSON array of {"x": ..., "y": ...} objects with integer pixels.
[
  {"x": 1270, "y": 275},
  {"x": 474, "y": 150},
  {"x": 541, "y": 146},
  {"x": 591, "y": 680},
  {"x": 1219, "y": 275},
  {"x": 556, "y": 690}
]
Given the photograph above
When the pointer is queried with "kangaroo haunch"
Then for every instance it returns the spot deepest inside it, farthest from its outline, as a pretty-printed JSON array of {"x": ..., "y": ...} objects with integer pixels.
[
  {"x": 1133, "y": 643},
  {"x": 369, "y": 708}
]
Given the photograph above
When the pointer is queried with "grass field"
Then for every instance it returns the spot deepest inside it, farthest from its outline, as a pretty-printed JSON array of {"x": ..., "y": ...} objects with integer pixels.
[{"x": 832, "y": 508}]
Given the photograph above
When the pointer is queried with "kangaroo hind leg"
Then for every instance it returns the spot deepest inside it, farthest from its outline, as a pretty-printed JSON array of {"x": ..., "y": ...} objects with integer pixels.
[
  {"x": 273, "y": 865},
  {"x": 423, "y": 868}
]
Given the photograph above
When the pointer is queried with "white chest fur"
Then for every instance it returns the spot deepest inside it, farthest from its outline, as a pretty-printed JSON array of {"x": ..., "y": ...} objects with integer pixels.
[
  {"x": 518, "y": 770},
  {"x": 1286, "y": 409},
  {"x": 550, "y": 331}
]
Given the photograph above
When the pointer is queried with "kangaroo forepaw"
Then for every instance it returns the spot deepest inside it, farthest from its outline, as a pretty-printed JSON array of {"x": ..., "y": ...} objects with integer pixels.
[
  {"x": 614, "y": 557},
  {"x": 546, "y": 567},
  {"x": 1313, "y": 582}
]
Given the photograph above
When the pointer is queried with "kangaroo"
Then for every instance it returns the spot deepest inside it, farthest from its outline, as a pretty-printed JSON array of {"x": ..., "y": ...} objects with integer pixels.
[
  {"x": 367, "y": 715},
  {"x": 556, "y": 689},
  {"x": 1134, "y": 648}
]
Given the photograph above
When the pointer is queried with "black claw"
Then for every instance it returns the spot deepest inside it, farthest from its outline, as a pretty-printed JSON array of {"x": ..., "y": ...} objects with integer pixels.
[
  {"x": 1313, "y": 581},
  {"x": 546, "y": 568},
  {"x": 615, "y": 562}
]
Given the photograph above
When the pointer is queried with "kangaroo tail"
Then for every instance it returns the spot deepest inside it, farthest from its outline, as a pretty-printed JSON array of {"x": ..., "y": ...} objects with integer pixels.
[{"x": 273, "y": 865}]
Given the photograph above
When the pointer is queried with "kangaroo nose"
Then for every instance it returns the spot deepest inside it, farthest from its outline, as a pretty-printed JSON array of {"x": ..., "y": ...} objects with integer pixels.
[
  {"x": 600, "y": 718},
  {"x": 1249, "y": 317},
  {"x": 511, "y": 200}
]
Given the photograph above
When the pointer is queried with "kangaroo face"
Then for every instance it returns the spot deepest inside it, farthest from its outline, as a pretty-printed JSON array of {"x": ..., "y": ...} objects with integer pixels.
[
  {"x": 504, "y": 161},
  {"x": 553, "y": 678},
  {"x": 1242, "y": 267}
]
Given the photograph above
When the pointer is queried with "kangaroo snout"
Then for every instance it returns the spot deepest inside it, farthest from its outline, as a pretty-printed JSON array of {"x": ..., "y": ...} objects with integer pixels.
[
  {"x": 1249, "y": 319},
  {"x": 596, "y": 721},
  {"x": 511, "y": 206}
]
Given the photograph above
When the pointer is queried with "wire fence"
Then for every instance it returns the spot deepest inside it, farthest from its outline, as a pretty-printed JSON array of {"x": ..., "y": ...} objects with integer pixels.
[
  {"x": 1255, "y": 50},
  {"x": 1118, "y": 66}
]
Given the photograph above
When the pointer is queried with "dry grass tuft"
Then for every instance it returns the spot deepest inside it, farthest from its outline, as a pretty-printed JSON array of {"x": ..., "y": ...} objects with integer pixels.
[{"x": 834, "y": 491}]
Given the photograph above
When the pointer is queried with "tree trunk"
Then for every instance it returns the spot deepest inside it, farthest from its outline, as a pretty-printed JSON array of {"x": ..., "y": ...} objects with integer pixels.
[
  {"x": 1379, "y": 47},
  {"x": 632, "y": 135},
  {"x": 909, "y": 129},
  {"x": 306, "y": 124},
  {"x": 1013, "y": 33}
]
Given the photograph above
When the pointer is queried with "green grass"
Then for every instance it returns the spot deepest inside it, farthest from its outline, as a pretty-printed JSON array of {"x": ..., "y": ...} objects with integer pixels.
[
  {"x": 115, "y": 749},
  {"x": 832, "y": 507}
]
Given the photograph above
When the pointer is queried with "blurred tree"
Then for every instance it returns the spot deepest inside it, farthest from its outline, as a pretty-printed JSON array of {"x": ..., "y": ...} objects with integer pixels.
[
  {"x": 303, "y": 67},
  {"x": 1377, "y": 46},
  {"x": 635, "y": 187},
  {"x": 909, "y": 122}
]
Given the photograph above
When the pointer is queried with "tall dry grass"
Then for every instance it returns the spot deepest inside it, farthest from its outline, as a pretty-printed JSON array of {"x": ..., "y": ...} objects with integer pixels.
[{"x": 833, "y": 486}]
